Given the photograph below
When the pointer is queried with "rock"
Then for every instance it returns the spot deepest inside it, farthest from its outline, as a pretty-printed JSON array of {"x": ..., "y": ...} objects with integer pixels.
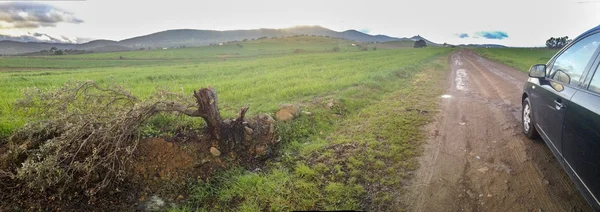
[
  {"x": 266, "y": 118},
  {"x": 180, "y": 197},
  {"x": 284, "y": 115},
  {"x": 249, "y": 131},
  {"x": 306, "y": 113},
  {"x": 287, "y": 112},
  {"x": 483, "y": 170},
  {"x": 155, "y": 203},
  {"x": 293, "y": 109},
  {"x": 329, "y": 105},
  {"x": 215, "y": 152}
]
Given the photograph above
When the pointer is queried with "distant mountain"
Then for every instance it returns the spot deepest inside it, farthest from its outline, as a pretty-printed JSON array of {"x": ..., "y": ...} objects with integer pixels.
[
  {"x": 192, "y": 37},
  {"x": 186, "y": 37},
  {"x": 418, "y": 37}
]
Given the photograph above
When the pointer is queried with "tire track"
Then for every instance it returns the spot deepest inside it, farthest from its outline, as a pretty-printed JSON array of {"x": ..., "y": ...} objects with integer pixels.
[{"x": 476, "y": 158}]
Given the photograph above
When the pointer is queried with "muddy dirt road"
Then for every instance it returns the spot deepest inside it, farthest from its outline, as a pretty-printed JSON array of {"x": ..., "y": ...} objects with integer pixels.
[{"x": 476, "y": 158}]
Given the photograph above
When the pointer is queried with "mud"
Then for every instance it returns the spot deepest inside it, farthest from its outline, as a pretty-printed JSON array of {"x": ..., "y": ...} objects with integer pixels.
[{"x": 476, "y": 158}]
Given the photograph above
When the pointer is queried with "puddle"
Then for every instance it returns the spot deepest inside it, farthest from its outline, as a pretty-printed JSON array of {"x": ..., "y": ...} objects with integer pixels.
[
  {"x": 461, "y": 80},
  {"x": 458, "y": 62}
]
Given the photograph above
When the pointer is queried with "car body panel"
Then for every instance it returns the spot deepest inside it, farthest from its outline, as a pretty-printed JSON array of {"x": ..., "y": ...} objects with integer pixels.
[{"x": 581, "y": 139}]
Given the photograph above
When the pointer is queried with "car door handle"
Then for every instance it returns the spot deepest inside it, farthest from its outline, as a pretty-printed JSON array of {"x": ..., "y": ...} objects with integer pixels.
[{"x": 559, "y": 105}]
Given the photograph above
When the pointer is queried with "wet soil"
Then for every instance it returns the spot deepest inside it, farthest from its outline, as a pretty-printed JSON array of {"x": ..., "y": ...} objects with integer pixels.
[{"x": 476, "y": 158}]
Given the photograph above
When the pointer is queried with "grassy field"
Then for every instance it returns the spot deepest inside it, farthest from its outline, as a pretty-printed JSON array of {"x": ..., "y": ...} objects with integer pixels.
[
  {"x": 263, "y": 75},
  {"x": 519, "y": 58},
  {"x": 358, "y": 162},
  {"x": 353, "y": 155}
]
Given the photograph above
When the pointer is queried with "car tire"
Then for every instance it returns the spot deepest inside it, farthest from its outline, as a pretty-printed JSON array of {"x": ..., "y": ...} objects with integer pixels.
[{"x": 527, "y": 121}]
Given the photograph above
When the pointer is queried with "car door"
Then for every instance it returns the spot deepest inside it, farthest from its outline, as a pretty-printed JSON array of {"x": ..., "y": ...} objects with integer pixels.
[
  {"x": 581, "y": 135},
  {"x": 564, "y": 78}
]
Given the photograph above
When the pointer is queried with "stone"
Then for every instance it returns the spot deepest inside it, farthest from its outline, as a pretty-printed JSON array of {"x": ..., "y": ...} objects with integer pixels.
[
  {"x": 215, "y": 152},
  {"x": 293, "y": 109},
  {"x": 249, "y": 131},
  {"x": 287, "y": 112},
  {"x": 284, "y": 115},
  {"x": 330, "y": 105},
  {"x": 155, "y": 203},
  {"x": 483, "y": 169},
  {"x": 266, "y": 118}
]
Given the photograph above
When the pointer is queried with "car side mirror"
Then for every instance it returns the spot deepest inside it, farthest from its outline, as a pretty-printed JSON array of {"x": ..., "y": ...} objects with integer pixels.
[
  {"x": 562, "y": 76},
  {"x": 537, "y": 71}
]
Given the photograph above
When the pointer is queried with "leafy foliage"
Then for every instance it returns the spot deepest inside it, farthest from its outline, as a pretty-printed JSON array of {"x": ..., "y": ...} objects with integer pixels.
[
  {"x": 557, "y": 43},
  {"x": 420, "y": 44}
]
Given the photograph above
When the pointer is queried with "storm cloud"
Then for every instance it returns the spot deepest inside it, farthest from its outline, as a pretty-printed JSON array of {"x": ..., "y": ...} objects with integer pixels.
[
  {"x": 462, "y": 35},
  {"x": 23, "y": 15},
  {"x": 497, "y": 35}
]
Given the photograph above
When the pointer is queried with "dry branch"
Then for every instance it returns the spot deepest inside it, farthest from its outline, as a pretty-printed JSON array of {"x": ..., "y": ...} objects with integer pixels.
[{"x": 89, "y": 134}]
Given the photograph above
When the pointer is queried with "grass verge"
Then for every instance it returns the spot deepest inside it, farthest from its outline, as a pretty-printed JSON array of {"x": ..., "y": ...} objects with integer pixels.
[
  {"x": 519, "y": 58},
  {"x": 354, "y": 155}
]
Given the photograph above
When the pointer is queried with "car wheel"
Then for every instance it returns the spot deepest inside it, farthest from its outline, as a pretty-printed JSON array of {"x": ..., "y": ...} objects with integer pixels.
[{"x": 528, "y": 121}]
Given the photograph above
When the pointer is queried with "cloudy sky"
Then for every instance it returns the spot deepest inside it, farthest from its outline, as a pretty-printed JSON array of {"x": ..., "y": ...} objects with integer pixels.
[{"x": 507, "y": 22}]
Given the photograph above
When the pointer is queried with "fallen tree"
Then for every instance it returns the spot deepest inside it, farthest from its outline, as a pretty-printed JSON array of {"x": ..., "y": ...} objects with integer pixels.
[{"x": 87, "y": 134}]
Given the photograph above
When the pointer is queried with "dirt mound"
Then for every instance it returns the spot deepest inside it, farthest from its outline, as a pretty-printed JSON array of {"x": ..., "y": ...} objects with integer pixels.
[
  {"x": 158, "y": 159},
  {"x": 165, "y": 169}
]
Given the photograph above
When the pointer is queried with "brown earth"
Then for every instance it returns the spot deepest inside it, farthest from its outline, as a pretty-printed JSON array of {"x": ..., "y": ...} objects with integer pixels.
[
  {"x": 476, "y": 158},
  {"x": 167, "y": 168}
]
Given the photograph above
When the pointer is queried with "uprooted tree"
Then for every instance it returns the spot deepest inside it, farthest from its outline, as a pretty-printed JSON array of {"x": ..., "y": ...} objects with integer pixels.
[{"x": 88, "y": 134}]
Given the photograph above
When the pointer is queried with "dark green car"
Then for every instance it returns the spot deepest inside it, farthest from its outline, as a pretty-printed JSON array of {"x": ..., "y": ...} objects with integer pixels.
[{"x": 561, "y": 104}]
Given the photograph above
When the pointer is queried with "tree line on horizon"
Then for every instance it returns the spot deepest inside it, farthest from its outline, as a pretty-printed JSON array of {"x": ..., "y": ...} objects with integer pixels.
[{"x": 558, "y": 42}]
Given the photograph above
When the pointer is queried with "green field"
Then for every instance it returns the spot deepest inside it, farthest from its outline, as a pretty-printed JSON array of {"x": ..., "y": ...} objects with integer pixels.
[
  {"x": 354, "y": 155},
  {"x": 519, "y": 58},
  {"x": 261, "y": 74},
  {"x": 358, "y": 162}
]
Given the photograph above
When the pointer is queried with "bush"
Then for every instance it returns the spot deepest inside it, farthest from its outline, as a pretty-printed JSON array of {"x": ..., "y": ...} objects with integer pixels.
[
  {"x": 85, "y": 140},
  {"x": 335, "y": 49},
  {"x": 420, "y": 44}
]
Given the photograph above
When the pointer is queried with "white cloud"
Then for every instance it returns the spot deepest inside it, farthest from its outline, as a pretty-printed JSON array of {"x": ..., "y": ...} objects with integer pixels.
[{"x": 526, "y": 22}]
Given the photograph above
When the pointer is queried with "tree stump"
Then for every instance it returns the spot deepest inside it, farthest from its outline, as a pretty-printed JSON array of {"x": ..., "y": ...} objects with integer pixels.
[{"x": 245, "y": 139}]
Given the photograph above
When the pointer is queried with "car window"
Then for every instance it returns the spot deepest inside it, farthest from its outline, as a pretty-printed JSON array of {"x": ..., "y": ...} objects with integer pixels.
[
  {"x": 595, "y": 83},
  {"x": 570, "y": 65}
]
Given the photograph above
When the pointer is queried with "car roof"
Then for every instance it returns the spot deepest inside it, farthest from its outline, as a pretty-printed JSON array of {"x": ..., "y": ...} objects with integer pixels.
[{"x": 588, "y": 32}]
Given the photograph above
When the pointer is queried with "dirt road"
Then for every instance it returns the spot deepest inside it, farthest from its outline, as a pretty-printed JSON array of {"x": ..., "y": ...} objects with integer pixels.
[{"x": 476, "y": 158}]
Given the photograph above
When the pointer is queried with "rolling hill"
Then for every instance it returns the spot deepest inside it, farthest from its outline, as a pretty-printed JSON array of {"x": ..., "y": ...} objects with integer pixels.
[{"x": 193, "y": 37}]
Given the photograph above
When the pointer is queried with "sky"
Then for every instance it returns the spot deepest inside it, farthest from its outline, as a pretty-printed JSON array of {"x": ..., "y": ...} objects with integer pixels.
[{"x": 506, "y": 22}]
